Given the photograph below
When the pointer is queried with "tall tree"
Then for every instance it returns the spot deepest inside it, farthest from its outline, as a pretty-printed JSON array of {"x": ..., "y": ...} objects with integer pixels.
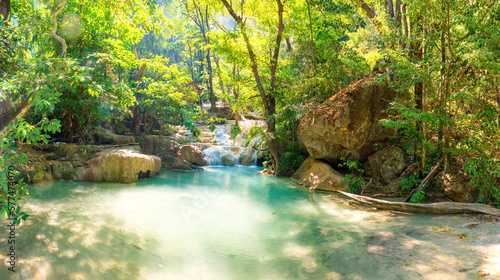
[
  {"x": 200, "y": 16},
  {"x": 267, "y": 93},
  {"x": 5, "y": 9}
]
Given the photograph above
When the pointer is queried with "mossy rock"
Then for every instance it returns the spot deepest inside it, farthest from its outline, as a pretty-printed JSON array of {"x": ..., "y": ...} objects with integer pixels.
[
  {"x": 38, "y": 173},
  {"x": 66, "y": 151},
  {"x": 62, "y": 170},
  {"x": 104, "y": 136}
]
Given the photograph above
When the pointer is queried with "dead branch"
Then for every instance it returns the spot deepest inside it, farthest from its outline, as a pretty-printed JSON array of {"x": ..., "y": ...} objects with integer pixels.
[{"x": 425, "y": 182}]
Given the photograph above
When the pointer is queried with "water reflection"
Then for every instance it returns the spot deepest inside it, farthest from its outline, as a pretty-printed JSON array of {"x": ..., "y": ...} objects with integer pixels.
[{"x": 226, "y": 223}]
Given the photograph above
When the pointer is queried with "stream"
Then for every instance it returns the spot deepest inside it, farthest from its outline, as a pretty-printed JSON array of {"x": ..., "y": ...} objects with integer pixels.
[{"x": 234, "y": 223}]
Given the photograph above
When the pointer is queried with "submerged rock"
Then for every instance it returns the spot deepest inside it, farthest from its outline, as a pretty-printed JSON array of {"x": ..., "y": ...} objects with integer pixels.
[
  {"x": 347, "y": 124},
  {"x": 191, "y": 154},
  {"x": 316, "y": 174},
  {"x": 121, "y": 166}
]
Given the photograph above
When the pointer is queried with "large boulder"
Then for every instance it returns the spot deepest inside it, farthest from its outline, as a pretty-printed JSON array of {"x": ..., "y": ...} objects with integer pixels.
[
  {"x": 387, "y": 164},
  {"x": 192, "y": 154},
  {"x": 241, "y": 138},
  {"x": 347, "y": 124},
  {"x": 455, "y": 187},
  {"x": 318, "y": 175},
  {"x": 121, "y": 166},
  {"x": 229, "y": 159},
  {"x": 248, "y": 157}
]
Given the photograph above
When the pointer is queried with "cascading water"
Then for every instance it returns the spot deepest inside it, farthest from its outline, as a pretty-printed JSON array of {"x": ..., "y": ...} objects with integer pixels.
[
  {"x": 227, "y": 152},
  {"x": 220, "y": 155},
  {"x": 222, "y": 134}
]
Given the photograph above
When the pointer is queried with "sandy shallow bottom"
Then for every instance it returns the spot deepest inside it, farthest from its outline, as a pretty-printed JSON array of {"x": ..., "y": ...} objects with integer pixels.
[{"x": 228, "y": 223}]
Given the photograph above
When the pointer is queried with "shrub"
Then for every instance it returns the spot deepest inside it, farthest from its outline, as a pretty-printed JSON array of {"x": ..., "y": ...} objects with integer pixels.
[
  {"x": 485, "y": 174},
  {"x": 291, "y": 160},
  {"x": 212, "y": 127},
  {"x": 255, "y": 131},
  {"x": 353, "y": 182},
  {"x": 196, "y": 131},
  {"x": 235, "y": 130}
]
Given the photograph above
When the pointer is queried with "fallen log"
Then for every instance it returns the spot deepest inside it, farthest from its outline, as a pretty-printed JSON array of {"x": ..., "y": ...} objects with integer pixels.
[{"x": 429, "y": 208}]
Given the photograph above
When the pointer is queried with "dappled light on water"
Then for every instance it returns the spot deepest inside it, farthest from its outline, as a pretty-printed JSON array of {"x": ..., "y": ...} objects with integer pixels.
[{"x": 233, "y": 223}]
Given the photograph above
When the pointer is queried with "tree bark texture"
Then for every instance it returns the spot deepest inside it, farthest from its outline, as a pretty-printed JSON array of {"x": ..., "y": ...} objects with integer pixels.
[
  {"x": 267, "y": 97},
  {"x": 5, "y": 9},
  {"x": 431, "y": 208}
]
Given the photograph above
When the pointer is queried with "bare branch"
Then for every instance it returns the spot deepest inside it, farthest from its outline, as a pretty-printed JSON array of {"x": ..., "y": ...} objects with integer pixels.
[{"x": 54, "y": 30}]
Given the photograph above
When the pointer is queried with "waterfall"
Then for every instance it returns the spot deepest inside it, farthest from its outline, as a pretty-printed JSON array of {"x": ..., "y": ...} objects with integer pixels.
[
  {"x": 222, "y": 134},
  {"x": 226, "y": 152},
  {"x": 220, "y": 155}
]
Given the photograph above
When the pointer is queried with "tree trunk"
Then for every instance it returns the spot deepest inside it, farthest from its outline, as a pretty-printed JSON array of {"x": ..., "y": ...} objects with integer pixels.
[
  {"x": 497, "y": 89},
  {"x": 311, "y": 39},
  {"x": 4, "y": 9},
  {"x": 236, "y": 90},
  {"x": 390, "y": 8},
  {"x": 431, "y": 208},
  {"x": 210, "y": 83},
  {"x": 136, "y": 121},
  {"x": 209, "y": 63},
  {"x": 267, "y": 98},
  {"x": 416, "y": 55},
  {"x": 23, "y": 108},
  {"x": 405, "y": 20}
]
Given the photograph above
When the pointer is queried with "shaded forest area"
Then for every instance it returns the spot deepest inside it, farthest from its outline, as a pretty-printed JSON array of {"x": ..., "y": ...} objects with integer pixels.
[{"x": 69, "y": 68}]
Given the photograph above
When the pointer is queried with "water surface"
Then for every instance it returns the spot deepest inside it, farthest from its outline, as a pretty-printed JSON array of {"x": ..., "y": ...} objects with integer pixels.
[{"x": 233, "y": 223}]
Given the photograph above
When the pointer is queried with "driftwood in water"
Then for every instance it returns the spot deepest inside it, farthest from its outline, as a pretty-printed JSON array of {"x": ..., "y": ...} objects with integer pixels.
[
  {"x": 430, "y": 208},
  {"x": 424, "y": 182}
]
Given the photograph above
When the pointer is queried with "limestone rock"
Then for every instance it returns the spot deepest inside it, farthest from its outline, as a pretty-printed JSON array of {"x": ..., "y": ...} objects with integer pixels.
[
  {"x": 80, "y": 174},
  {"x": 183, "y": 165},
  {"x": 192, "y": 154},
  {"x": 248, "y": 157},
  {"x": 241, "y": 138},
  {"x": 121, "y": 166},
  {"x": 254, "y": 142},
  {"x": 37, "y": 173},
  {"x": 160, "y": 146},
  {"x": 105, "y": 136},
  {"x": 66, "y": 151},
  {"x": 317, "y": 175},
  {"x": 454, "y": 186},
  {"x": 387, "y": 164},
  {"x": 62, "y": 170},
  {"x": 229, "y": 159},
  {"x": 396, "y": 187},
  {"x": 347, "y": 124}
]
